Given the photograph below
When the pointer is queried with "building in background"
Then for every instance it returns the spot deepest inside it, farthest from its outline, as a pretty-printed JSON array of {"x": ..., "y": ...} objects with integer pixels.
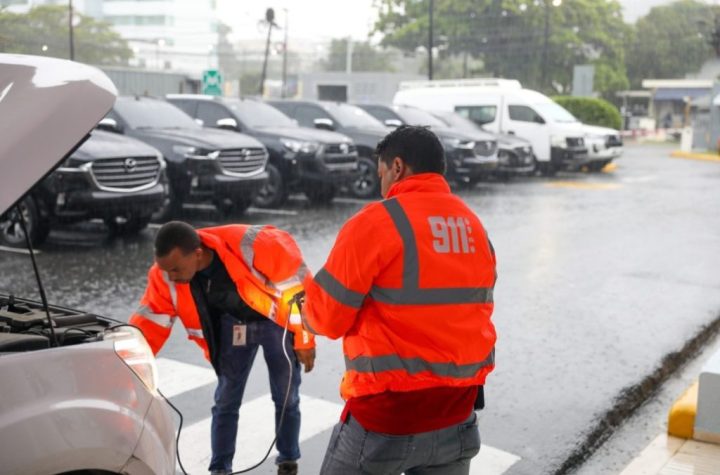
[{"x": 169, "y": 35}]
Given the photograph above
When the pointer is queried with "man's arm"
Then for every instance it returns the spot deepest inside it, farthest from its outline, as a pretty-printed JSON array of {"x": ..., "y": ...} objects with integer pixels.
[
  {"x": 156, "y": 314},
  {"x": 334, "y": 296}
]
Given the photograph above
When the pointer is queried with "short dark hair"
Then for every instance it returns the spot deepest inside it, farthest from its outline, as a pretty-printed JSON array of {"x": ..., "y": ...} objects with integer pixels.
[
  {"x": 176, "y": 234},
  {"x": 417, "y": 146}
]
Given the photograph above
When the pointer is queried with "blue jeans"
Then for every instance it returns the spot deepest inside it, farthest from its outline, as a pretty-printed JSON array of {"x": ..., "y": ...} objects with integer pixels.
[
  {"x": 355, "y": 451},
  {"x": 235, "y": 365}
]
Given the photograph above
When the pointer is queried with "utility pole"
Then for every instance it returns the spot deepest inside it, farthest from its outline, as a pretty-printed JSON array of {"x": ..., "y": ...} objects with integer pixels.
[
  {"x": 283, "y": 92},
  {"x": 546, "y": 39},
  {"x": 348, "y": 55},
  {"x": 71, "y": 28},
  {"x": 270, "y": 19},
  {"x": 430, "y": 39}
]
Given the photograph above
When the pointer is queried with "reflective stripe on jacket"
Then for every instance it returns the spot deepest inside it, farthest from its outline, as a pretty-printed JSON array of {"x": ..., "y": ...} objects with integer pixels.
[
  {"x": 409, "y": 285},
  {"x": 266, "y": 266}
]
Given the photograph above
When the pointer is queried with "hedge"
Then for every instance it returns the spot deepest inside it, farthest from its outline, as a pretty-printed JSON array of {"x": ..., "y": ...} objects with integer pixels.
[{"x": 592, "y": 111}]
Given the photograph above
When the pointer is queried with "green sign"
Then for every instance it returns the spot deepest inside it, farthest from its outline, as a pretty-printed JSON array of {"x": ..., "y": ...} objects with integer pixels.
[{"x": 212, "y": 82}]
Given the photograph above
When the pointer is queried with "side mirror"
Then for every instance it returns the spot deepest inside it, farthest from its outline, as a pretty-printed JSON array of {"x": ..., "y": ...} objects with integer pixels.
[
  {"x": 227, "y": 123},
  {"x": 394, "y": 123},
  {"x": 200, "y": 122},
  {"x": 325, "y": 124},
  {"x": 109, "y": 125}
]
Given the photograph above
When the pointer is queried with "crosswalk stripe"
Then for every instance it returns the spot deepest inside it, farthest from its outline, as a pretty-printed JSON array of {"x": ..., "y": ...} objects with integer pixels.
[
  {"x": 255, "y": 431},
  {"x": 177, "y": 377},
  {"x": 255, "y": 427}
]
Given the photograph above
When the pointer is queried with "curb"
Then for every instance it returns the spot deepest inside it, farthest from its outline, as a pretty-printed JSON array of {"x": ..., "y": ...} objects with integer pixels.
[
  {"x": 632, "y": 397},
  {"x": 681, "y": 418},
  {"x": 695, "y": 156}
]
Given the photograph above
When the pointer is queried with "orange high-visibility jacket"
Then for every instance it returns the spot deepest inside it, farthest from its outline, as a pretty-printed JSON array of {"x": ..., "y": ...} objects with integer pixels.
[
  {"x": 409, "y": 285},
  {"x": 264, "y": 262}
]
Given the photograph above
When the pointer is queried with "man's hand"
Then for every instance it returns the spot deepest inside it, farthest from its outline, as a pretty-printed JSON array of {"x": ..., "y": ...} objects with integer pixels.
[{"x": 307, "y": 358}]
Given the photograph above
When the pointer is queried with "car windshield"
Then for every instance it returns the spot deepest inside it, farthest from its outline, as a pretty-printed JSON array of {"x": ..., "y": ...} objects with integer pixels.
[
  {"x": 153, "y": 114},
  {"x": 419, "y": 117},
  {"x": 554, "y": 112},
  {"x": 459, "y": 122},
  {"x": 257, "y": 114},
  {"x": 351, "y": 116}
]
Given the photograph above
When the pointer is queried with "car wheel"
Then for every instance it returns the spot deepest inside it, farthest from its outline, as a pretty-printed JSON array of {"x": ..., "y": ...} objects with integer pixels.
[
  {"x": 273, "y": 192},
  {"x": 11, "y": 233},
  {"x": 598, "y": 166},
  {"x": 367, "y": 184},
  {"x": 320, "y": 194},
  {"x": 547, "y": 168},
  {"x": 122, "y": 226},
  {"x": 232, "y": 206}
]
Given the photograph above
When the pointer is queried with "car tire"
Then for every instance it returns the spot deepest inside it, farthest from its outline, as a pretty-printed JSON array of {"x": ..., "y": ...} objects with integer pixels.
[
  {"x": 320, "y": 194},
  {"x": 127, "y": 226},
  {"x": 232, "y": 206},
  {"x": 547, "y": 168},
  {"x": 367, "y": 185},
  {"x": 598, "y": 166},
  {"x": 11, "y": 233},
  {"x": 273, "y": 193}
]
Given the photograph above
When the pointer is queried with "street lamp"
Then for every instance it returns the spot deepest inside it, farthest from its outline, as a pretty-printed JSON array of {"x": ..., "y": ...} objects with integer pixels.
[{"x": 554, "y": 3}]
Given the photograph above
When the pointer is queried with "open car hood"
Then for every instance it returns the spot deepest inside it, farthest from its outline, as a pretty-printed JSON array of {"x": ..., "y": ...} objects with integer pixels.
[{"x": 47, "y": 107}]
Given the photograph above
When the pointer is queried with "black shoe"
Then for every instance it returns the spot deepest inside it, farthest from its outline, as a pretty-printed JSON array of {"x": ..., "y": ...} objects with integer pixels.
[{"x": 287, "y": 468}]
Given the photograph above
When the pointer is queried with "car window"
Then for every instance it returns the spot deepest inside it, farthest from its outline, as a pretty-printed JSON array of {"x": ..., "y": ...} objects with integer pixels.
[
  {"x": 380, "y": 113},
  {"x": 524, "y": 114},
  {"x": 188, "y": 107},
  {"x": 352, "y": 116},
  {"x": 414, "y": 116},
  {"x": 210, "y": 113},
  {"x": 306, "y": 115},
  {"x": 258, "y": 114},
  {"x": 154, "y": 114},
  {"x": 479, "y": 114}
]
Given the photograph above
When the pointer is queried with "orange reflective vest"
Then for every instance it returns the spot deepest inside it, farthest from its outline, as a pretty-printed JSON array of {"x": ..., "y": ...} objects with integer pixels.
[
  {"x": 264, "y": 262},
  {"x": 409, "y": 287}
]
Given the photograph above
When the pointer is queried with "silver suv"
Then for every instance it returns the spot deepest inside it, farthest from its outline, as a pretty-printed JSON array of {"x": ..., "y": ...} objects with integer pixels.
[{"x": 77, "y": 391}]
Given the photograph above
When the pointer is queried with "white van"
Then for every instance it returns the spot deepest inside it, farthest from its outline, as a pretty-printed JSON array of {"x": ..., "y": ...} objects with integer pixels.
[{"x": 503, "y": 106}]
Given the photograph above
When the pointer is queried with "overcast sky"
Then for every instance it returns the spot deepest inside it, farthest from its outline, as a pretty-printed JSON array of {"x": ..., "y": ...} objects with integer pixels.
[{"x": 324, "y": 19}]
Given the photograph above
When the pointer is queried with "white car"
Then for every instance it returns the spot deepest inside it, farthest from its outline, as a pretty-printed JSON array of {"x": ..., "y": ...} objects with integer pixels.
[
  {"x": 603, "y": 144},
  {"x": 77, "y": 391}
]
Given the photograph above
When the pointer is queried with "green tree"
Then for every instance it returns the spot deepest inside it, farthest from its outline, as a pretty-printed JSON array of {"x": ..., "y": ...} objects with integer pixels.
[
  {"x": 671, "y": 41},
  {"x": 365, "y": 57},
  {"x": 44, "y": 31},
  {"x": 508, "y": 36}
]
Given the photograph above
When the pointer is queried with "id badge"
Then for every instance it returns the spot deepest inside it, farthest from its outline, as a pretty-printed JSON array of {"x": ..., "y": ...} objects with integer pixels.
[{"x": 239, "y": 335}]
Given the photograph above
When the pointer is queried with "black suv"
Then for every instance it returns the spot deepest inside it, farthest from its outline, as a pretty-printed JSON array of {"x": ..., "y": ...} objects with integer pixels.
[
  {"x": 316, "y": 162},
  {"x": 203, "y": 164},
  {"x": 361, "y": 127},
  {"x": 117, "y": 179},
  {"x": 515, "y": 154},
  {"x": 469, "y": 158}
]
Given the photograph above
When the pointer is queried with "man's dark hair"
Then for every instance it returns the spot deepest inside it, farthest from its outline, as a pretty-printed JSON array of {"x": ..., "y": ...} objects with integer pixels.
[
  {"x": 418, "y": 147},
  {"x": 176, "y": 234}
]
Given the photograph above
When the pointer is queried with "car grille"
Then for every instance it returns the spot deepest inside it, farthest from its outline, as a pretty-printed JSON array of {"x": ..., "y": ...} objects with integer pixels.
[
  {"x": 126, "y": 173},
  {"x": 339, "y": 154},
  {"x": 613, "y": 141},
  {"x": 485, "y": 148},
  {"x": 524, "y": 156},
  {"x": 337, "y": 148},
  {"x": 575, "y": 142},
  {"x": 243, "y": 160}
]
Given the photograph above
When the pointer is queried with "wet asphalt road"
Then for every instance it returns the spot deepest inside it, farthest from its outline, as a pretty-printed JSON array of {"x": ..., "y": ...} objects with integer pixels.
[{"x": 600, "y": 276}]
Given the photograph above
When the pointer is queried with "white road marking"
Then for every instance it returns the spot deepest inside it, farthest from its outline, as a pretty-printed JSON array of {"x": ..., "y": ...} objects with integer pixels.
[
  {"x": 353, "y": 201},
  {"x": 255, "y": 432},
  {"x": 18, "y": 251},
  {"x": 177, "y": 377},
  {"x": 255, "y": 425},
  {"x": 281, "y": 212}
]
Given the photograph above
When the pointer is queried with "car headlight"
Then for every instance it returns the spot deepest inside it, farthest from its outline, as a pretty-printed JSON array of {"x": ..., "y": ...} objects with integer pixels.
[
  {"x": 132, "y": 348},
  {"x": 75, "y": 165},
  {"x": 195, "y": 152},
  {"x": 558, "y": 141},
  {"x": 458, "y": 143},
  {"x": 296, "y": 146}
]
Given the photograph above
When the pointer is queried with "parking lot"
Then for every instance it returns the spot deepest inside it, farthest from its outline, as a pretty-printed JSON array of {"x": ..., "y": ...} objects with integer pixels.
[{"x": 600, "y": 276}]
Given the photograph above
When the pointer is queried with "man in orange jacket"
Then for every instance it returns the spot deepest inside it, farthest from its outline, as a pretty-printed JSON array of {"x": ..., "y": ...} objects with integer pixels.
[
  {"x": 231, "y": 287},
  {"x": 409, "y": 287}
]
